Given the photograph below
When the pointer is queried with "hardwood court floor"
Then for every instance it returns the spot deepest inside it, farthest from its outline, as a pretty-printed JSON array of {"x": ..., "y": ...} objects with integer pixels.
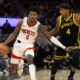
[{"x": 45, "y": 75}]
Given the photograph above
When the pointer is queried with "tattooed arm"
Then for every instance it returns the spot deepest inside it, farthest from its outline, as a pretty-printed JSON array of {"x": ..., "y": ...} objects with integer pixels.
[
  {"x": 52, "y": 38},
  {"x": 53, "y": 31}
]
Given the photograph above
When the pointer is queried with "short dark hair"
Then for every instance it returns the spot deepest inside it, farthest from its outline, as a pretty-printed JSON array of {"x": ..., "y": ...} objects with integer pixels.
[
  {"x": 65, "y": 6},
  {"x": 33, "y": 8}
]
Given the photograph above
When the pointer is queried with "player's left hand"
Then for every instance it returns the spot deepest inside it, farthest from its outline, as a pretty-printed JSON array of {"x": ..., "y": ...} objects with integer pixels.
[{"x": 69, "y": 48}]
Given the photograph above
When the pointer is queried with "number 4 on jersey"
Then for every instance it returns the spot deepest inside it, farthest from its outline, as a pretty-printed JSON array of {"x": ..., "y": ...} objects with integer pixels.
[
  {"x": 68, "y": 31},
  {"x": 27, "y": 37}
]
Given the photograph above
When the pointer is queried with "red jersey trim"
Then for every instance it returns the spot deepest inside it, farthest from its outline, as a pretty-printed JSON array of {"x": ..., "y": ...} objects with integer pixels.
[
  {"x": 31, "y": 25},
  {"x": 14, "y": 56},
  {"x": 29, "y": 49}
]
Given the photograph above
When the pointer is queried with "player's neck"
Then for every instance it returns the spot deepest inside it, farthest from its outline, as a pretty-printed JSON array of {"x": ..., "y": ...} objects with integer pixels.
[
  {"x": 68, "y": 15},
  {"x": 31, "y": 22}
]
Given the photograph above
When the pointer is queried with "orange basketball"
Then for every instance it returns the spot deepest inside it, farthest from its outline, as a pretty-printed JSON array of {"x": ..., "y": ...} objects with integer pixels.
[{"x": 3, "y": 49}]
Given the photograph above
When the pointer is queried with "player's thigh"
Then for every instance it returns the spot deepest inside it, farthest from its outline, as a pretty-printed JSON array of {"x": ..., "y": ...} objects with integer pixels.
[
  {"x": 17, "y": 51},
  {"x": 15, "y": 56}
]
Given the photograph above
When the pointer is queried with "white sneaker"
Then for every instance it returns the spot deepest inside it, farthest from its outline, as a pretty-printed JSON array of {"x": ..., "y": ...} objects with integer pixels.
[
  {"x": 5, "y": 72},
  {"x": 20, "y": 67}
]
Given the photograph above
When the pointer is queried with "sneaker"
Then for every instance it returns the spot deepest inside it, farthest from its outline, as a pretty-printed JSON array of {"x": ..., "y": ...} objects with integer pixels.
[
  {"x": 20, "y": 67},
  {"x": 70, "y": 78},
  {"x": 5, "y": 72}
]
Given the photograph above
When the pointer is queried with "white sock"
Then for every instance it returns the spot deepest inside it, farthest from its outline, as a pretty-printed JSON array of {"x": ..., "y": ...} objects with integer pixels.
[{"x": 32, "y": 71}]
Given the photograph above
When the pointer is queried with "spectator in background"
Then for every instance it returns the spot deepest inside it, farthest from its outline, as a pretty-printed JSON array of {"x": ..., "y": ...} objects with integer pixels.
[
  {"x": 46, "y": 24},
  {"x": 41, "y": 54},
  {"x": 48, "y": 61},
  {"x": 6, "y": 27}
]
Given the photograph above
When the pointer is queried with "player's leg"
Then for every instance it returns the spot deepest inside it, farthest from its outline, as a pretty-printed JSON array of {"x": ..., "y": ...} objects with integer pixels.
[
  {"x": 13, "y": 68},
  {"x": 14, "y": 65},
  {"x": 15, "y": 58},
  {"x": 75, "y": 61},
  {"x": 20, "y": 67},
  {"x": 72, "y": 72},
  {"x": 54, "y": 68},
  {"x": 29, "y": 54},
  {"x": 58, "y": 57}
]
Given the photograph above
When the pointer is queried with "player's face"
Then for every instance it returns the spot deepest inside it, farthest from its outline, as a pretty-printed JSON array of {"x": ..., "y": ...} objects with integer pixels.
[
  {"x": 33, "y": 16},
  {"x": 63, "y": 12}
]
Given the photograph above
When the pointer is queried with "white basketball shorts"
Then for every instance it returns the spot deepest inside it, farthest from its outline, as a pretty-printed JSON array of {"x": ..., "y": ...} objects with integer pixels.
[{"x": 19, "y": 50}]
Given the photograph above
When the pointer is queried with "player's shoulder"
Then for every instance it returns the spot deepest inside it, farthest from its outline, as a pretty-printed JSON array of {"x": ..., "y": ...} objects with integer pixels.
[
  {"x": 25, "y": 17},
  {"x": 21, "y": 21},
  {"x": 58, "y": 18},
  {"x": 77, "y": 16}
]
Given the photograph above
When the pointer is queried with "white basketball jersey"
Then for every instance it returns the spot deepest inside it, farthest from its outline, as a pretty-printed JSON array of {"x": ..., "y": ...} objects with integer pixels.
[{"x": 28, "y": 33}]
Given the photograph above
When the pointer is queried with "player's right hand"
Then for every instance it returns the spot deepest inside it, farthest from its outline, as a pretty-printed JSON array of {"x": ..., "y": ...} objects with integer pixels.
[{"x": 69, "y": 48}]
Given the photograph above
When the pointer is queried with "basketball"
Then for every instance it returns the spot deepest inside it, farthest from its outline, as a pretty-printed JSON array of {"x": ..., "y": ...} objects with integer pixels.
[{"x": 3, "y": 49}]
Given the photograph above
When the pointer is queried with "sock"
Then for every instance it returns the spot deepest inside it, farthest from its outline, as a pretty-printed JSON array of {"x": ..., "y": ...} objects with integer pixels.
[
  {"x": 32, "y": 71},
  {"x": 72, "y": 73}
]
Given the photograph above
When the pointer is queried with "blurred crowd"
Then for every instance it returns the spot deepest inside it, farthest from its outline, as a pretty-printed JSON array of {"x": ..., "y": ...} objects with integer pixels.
[
  {"x": 7, "y": 9},
  {"x": 49, "y": 11}
]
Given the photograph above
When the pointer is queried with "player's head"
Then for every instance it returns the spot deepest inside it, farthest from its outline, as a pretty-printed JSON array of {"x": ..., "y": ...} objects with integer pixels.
[
  {"x": 33, "y": 13},
  {"x": 65, "y": 9}
]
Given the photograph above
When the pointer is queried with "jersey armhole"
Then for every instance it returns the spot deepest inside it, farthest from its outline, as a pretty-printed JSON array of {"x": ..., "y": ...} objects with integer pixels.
[{"x": 74, "y": 21}]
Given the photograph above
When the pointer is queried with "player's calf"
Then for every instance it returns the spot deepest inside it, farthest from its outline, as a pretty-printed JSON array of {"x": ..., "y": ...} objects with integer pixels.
[
  {"x": 13, "y": 68},
  {"x": 32, "y": 70}
]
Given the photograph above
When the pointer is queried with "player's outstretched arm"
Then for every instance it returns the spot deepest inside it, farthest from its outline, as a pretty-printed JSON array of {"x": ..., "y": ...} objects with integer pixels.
[
  {"x": 52, "y": 38},
  {"x": 14, "y": 33}
]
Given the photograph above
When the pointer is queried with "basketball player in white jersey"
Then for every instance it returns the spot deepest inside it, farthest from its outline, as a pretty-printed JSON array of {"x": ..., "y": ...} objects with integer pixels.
[{"x": 24, "y": 44}]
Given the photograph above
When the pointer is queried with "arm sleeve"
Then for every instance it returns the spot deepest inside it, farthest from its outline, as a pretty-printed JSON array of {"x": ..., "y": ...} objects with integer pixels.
[{"x": 56, "y": 42}]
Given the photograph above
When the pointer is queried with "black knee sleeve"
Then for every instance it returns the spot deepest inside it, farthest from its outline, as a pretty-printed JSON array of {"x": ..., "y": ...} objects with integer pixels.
[
  {"x": 55, "y": 66},
  {"x": 75, "y": 62}
]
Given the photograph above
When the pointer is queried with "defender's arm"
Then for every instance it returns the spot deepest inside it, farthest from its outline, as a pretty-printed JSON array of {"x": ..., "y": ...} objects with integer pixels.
[{"x": 52, "y": 38}]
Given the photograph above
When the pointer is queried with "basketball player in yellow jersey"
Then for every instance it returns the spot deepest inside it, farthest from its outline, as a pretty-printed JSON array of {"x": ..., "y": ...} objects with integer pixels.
[
  {"x": 68, "y": 24},
  {"x": 24, "y": 44}
]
